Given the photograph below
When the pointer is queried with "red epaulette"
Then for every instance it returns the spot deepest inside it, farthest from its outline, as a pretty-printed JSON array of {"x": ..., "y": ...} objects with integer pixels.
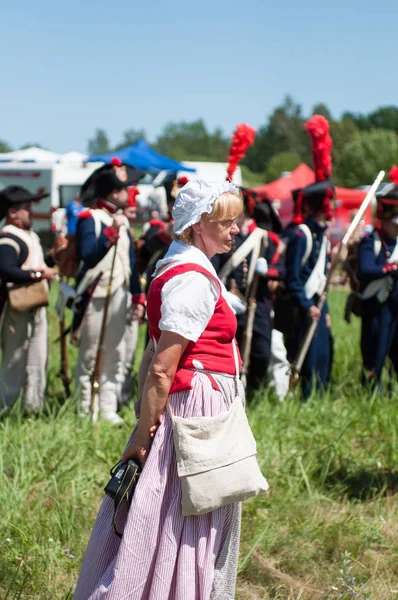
[
  {"x": 85, "y": 214},
  {"x": 274, "y": 238}
]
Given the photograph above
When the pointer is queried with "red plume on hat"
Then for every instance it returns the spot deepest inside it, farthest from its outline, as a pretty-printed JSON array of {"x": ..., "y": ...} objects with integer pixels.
[
  {"x": 242, "y": 139},
  {"x": 393, "y": 175},
  {"x": 318, "y": 129}
]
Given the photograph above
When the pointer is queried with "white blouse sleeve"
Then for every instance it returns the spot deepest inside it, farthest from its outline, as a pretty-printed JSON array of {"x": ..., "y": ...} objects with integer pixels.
[{"x": 188, "y": 303}]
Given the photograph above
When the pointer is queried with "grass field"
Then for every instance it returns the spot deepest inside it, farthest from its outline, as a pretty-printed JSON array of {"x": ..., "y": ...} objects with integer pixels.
[{"x": 328, "y": 529}]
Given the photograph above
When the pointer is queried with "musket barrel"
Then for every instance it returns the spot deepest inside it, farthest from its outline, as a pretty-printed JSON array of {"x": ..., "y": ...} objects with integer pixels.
[{"x": 359, "y": 216}]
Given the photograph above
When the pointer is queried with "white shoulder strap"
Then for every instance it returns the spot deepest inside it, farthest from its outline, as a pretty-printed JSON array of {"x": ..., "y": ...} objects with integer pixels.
[
  {"x": 308, "y": 235},
  {"x": 97, "y": 222},
  {"x": 377, "y": 245},
  {"x": 244, "y": 250},
  {"x": 4, "y": 241}
]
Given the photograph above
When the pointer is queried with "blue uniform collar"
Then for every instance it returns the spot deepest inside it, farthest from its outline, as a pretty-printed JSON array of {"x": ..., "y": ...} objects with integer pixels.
[
  {"x": 385, "y": 238},
  {"x": 315, "y": 226}
]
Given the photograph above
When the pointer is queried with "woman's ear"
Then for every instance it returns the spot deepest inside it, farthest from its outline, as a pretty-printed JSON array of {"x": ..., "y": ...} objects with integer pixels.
[{"x": 197, "y": 228}]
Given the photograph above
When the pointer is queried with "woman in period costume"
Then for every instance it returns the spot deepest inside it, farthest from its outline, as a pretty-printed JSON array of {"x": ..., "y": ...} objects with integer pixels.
[{"x": 189, "y": 362}]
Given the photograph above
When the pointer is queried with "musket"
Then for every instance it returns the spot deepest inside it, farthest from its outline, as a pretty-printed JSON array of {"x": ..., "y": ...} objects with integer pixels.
[
  {"x": 296, "y": 366},
  {"x": 248, "y": 329},
  {"x": 64, "y": 371},
  {"x": 95, "y": 379}
]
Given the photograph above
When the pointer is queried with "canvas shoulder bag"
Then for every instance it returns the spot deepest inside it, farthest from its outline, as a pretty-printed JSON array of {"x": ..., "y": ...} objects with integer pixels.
[
  {"x": 216, "y": 458},
  {"x": 28, "y": 296}
]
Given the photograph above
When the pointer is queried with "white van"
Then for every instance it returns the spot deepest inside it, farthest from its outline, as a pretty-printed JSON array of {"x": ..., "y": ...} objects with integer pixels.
[{"x": 62, "y": 181}]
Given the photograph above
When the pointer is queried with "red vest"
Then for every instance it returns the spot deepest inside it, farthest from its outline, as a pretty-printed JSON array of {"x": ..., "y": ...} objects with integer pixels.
[{"x": 214, "y": 347}]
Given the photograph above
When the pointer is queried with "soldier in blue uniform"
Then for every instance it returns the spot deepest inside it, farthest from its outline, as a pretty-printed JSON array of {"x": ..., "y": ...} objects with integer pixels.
[
  {"x": 103, "y": 233},
  {"x": 378, "y": 275},
  {"x": 307, "y": 262},
  {"x": 257, "y": 219}
]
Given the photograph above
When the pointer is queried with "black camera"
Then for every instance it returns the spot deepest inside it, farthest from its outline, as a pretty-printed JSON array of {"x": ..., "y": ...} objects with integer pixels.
[
  {"x": 123, "y": 481},
  {"x": 121, "y": 486}
]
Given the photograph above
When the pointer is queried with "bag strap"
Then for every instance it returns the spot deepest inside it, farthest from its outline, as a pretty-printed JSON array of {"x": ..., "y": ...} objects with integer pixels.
[{"x": 236, "y": 376}]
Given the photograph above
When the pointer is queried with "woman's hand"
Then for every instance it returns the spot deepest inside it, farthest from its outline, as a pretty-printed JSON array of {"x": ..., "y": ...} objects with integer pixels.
[{"x": 138, "y": 449}]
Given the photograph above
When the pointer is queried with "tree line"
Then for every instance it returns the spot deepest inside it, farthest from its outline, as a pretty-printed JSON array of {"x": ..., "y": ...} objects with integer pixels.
[{"x": 362, "y": 143}]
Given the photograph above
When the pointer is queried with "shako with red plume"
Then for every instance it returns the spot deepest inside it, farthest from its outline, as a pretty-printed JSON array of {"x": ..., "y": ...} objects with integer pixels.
[
  {"x": 319, "y": 195},
  {"x": 242, "y": 139}
]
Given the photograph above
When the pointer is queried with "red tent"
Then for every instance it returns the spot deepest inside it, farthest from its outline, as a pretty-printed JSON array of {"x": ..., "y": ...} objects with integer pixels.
[
  {"x": 282, "y": 188},
  {"x": 348, "y": 200}
]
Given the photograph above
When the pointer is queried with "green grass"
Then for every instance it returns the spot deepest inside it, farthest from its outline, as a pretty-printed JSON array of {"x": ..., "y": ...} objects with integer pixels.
[{"x": 327, "y": 529}]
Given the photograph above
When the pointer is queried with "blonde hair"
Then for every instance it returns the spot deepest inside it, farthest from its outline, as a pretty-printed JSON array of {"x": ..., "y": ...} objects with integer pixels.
[{"x": 226, "y": 207}]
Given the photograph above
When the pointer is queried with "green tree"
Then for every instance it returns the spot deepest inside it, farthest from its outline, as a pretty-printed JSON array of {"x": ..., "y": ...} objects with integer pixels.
[
  {"x": 284, "y": 161},
  {"x": 99, "y": 144},
  {"x": 322, "y": 109},
  {"x": 284, "y": 132},
  {"x": 131, "y": 136},
  {"x": 32, "y": 145},
  {"x": 4, "y": 147},
  {"x": 341, "y": 132},
  {"x": 384, "y": 117},
  {"x": 365, "y": 155},
  {"x": 192, "y": 141}
]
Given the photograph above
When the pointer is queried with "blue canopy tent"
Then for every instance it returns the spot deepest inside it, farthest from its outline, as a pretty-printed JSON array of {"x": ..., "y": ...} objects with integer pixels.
[{"x": 142, "y": 156}]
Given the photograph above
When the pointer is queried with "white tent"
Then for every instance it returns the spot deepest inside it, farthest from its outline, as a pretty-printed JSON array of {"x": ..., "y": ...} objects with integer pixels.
[
  {"x": 38, "y": 155},
  {"x": 73, "y": 157},
  {"x": 30, "y": 155}
]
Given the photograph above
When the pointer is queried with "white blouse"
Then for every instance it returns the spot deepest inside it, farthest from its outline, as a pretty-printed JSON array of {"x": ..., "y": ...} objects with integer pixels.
[{"x": 188, "y": 303}]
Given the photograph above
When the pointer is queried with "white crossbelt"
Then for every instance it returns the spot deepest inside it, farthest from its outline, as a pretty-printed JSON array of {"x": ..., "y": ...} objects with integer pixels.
[
  {"x": 252, "y": 243},
  {"x": 381, "y": 288},
  {"x": 316, "y": 281}
]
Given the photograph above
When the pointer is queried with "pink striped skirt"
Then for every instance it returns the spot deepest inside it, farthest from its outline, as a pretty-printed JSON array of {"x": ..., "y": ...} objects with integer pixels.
[{"x": 163, "y": 555}]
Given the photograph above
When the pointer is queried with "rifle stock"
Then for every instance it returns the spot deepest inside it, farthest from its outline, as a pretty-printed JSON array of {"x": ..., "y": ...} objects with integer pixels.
[
  {"x": 248, "y": 330},
  {"x": 63, "y": 373},
  {"x": 296, "y": 366}
]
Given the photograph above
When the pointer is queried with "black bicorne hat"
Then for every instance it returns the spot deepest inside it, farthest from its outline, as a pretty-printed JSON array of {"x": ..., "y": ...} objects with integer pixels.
[
  {"x": 109, "y": 177},
  {"x": 387, "y": 198},
  {"x": 266, "y": 217},
  {"x": 14, "y": 195}
]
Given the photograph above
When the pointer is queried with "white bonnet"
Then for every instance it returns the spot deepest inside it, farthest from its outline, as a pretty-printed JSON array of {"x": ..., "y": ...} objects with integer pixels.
[{"x": 196, "y": 198}]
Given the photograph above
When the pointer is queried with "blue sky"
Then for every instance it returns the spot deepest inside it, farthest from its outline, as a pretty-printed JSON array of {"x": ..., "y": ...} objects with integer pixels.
[{"x": 68, "y": 68}]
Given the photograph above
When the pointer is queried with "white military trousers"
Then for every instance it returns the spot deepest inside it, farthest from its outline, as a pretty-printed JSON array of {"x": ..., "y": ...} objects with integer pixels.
[
  {"x": 24, "y": 348},
  {"x": 110, "y": 382},
  {"x": 279, "y": 366}
]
